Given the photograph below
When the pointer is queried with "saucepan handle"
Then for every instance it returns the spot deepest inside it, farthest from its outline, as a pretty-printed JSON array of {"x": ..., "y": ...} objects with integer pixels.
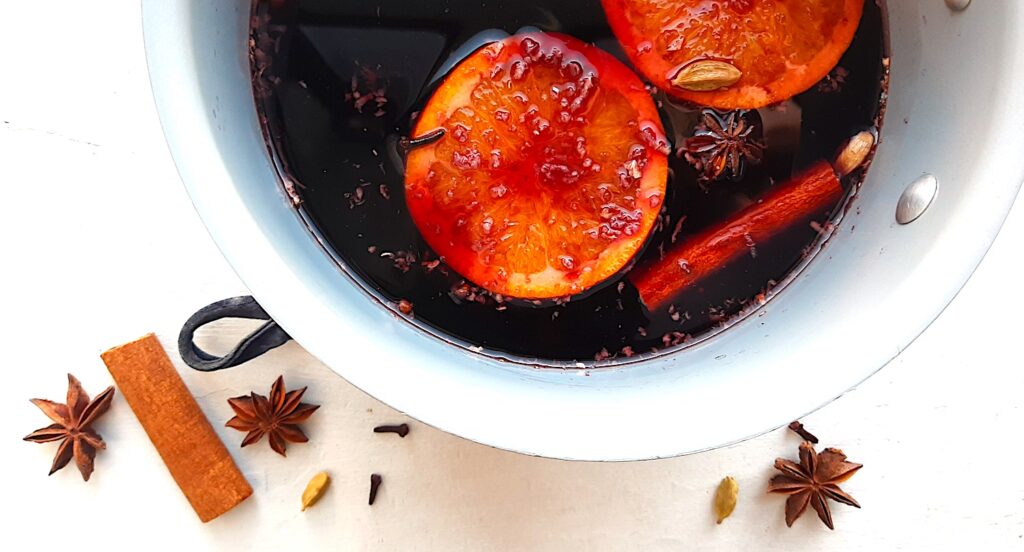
[{"x": 263, "y": 339}]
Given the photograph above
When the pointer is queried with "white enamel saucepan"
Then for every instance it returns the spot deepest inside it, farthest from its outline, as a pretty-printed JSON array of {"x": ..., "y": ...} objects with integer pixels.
[{"x": 954, "y": 122}]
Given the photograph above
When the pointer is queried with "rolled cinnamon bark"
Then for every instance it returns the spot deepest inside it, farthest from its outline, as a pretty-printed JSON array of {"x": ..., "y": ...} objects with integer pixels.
[
  {"x": 811, "y": 192},
  {"x": 195, "y": 456}
]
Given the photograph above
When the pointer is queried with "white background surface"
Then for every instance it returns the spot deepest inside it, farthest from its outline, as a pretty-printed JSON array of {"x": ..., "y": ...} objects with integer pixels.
[{"x": 99, "y": 245}]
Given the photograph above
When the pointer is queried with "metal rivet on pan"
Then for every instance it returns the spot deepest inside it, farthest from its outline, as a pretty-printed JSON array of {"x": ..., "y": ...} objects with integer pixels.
[
  {"x": 916, "y": 199},
  {"x": 958, "y": 5}
]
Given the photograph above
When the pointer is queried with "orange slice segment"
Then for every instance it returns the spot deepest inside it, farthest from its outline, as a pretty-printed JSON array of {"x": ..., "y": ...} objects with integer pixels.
[
  {"x": 780, "y": 47},
  {"x": 551, "y": 170}
]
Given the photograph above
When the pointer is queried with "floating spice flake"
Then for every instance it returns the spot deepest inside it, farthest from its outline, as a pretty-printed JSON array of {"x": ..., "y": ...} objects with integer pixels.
[
  {"x": 834, "y": 81},
  {"x": 356, "y": 197},
  {"x": 367, "y": 88},
  {"x": 403, "y": 260}
]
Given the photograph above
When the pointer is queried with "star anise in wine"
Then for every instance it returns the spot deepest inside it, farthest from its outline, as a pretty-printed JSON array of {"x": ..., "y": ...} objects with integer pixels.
[
  {"x": 71, "y": 427},
  {"x": 812, "y": 481},
  {"x": 723, "y": 144},
  {"x": 277, "y": 417}
]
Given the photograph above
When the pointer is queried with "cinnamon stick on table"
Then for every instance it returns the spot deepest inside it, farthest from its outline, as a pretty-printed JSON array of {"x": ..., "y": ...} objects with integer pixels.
[
  {"x": 195, "y": 456},
  {"x": 812, "y": 192}
]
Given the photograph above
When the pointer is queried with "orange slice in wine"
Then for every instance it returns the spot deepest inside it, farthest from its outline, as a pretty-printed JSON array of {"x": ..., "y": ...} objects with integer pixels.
[
  {"x": 550, "y": 172},
  {"x": 777, "y": 48}
]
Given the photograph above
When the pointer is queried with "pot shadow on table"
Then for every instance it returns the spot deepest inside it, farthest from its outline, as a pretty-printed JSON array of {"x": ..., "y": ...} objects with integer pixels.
[
  {"x": 441, "y": 491},
  {"x": 510, "y": 500}
]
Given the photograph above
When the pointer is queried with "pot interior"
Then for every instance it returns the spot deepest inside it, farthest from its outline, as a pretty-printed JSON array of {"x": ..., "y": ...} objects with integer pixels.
[{"x": 873, "y": 288}]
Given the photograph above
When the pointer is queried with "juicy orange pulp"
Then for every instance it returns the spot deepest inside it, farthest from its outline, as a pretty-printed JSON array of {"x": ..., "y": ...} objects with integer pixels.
[
  {"x": 782, "y": 47},
  {"x": 551, "y": 170}
]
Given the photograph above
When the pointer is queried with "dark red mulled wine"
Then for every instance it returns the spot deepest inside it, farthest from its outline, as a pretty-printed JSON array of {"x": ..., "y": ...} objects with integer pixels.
[{"x": 339, "y": 86}]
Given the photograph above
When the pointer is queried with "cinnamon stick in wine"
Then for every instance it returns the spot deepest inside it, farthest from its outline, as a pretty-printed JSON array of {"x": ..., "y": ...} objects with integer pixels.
[{"x": 812, "y": 192}]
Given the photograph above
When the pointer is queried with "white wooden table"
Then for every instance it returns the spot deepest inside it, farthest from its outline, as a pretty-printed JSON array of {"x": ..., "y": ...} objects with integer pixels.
[{"x": 99, "y": 244}]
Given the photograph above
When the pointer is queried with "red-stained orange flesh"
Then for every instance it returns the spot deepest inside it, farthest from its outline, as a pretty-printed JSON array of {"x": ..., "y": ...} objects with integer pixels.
[
  {"x": 812, "y": 192},
  {"x": 551, "y": 170},
  {"x": 782, "y": 47}
]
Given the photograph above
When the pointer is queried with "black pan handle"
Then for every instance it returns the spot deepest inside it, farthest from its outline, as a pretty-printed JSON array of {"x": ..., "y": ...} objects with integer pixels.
[{"x": 266, "y": 337}]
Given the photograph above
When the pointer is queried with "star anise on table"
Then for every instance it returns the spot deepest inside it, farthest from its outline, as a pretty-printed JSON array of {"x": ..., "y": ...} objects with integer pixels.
[
  {"x": 722, "y": 144},
  {"x": 71, "y": 427},
  {"x": 277, "y": 417},
  {"x": 812, "y": 481}
]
